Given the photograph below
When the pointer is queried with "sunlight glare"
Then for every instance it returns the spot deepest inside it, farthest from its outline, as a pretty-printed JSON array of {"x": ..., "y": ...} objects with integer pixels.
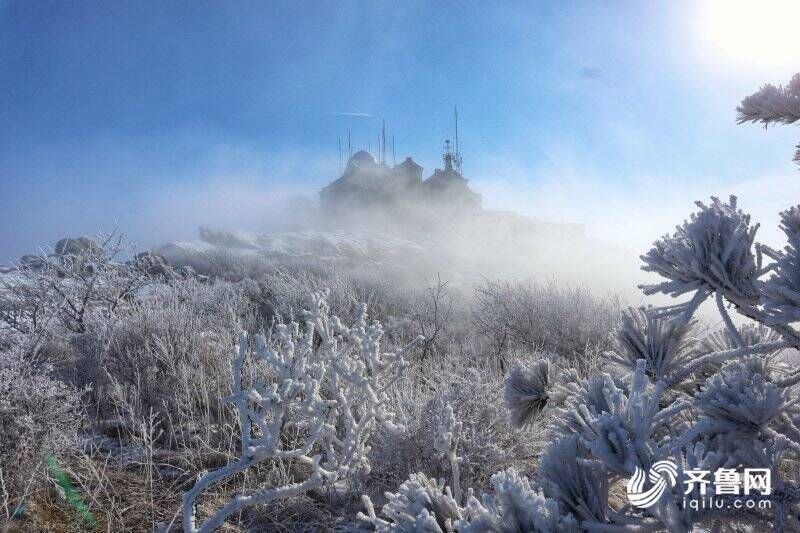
[{"x": 763, "y": 33}]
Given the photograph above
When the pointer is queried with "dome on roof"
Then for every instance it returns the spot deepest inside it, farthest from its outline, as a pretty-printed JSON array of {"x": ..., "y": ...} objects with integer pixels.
[{"x": 362, "y": 158}]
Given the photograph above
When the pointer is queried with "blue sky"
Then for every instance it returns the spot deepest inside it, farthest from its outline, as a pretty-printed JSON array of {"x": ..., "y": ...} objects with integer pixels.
[{"x": 159, "y": 116}]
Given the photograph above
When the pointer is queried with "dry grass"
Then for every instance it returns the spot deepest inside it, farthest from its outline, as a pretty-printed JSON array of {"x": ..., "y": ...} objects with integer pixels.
[
  {"x": 159, "y": 369},
  {"x": 119, "y": 498}
]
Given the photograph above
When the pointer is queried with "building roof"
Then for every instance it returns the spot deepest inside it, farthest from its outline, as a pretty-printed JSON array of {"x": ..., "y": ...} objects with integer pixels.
[
  {"x": 446, "y": 178},
  {"x": 410, "y": 163}
]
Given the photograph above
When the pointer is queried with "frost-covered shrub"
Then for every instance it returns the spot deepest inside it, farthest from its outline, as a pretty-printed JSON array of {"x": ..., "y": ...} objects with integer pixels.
[
  {"x": 425, "y": 505},
  {"x": 81, "y": 281},
  {"x": 421, "y": 504},
  {"x": 323, "y": 395},
  {"x": 38, "y": 414},
  {"x": 516, "y": 506},
  {"x": 166, "y": 355},
  {"x": 567, "y": 321},
  {"x": 286, "y": 291},
  {"x": 486, "y": 438}
]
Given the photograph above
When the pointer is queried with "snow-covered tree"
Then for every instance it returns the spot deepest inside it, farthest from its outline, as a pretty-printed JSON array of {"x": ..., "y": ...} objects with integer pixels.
[
  {"x": 668, "y": 397},
  {"x": 773, "y": 105},
  {"x": 728, "y": 400}
]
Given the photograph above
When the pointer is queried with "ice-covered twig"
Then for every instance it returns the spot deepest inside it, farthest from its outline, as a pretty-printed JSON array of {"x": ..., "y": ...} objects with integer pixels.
[{"x": 448, "y": 433}]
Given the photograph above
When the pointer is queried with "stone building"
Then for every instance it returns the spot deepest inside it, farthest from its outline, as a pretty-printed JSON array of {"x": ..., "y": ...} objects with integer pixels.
[{"x": 367, "y": 185}]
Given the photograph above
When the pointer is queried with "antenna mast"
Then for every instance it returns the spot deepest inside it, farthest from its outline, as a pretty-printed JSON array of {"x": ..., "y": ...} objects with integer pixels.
[
  {"x": 340, "y": 153},
  {"x": 383, "y": 142},
  {"x": 457, "y": 155},
  {"x": 349, "y": 146},
  {"x": 394, "y": 161}
]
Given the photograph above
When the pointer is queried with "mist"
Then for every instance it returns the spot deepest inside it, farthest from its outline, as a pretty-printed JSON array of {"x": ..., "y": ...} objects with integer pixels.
[{"x": 241, "y": 191}]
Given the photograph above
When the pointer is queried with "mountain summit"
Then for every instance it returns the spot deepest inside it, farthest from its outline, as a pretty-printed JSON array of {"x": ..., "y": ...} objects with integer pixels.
[{"x": 367, "y": 185}]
